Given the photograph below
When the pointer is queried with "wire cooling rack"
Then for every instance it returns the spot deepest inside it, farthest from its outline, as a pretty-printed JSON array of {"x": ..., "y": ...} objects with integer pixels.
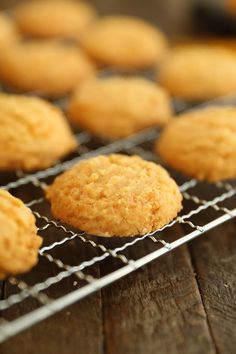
[{"x": 75, "y": 257}]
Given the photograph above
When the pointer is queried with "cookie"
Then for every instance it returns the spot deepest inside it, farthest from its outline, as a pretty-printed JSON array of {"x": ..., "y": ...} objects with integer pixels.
[
  {"x": 124, "y": 42},
  {"x": 199, "y": 72},
  {"x": 48, "y": 67},
  {"x": 115, "y": 195},
  {"x": 54, "y": 18},
  {"x": 33, "y": 134},
  {"x": 117, "y": 106},
  {"x": 19, "y": 242},
  {"x": 202, "y": 143},
  {"x": 8, "y": 31}
]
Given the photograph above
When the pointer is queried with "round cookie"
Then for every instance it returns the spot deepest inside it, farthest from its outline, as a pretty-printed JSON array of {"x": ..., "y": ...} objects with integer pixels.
[
  {"x": 124, "y": 42},
  {"x": 49, "y": 67},
  {"x": 8, "y": 31},
  {"x": 115, "y": 195},
  {"x": 33, "y": 134},
  {"x": 202, "y": 143},
  {"x": 118, "y": 106},
  {"x": 54, "y": 18},
  {"x": 19, "y": 242},
  {"x": 199, "y": 72}
]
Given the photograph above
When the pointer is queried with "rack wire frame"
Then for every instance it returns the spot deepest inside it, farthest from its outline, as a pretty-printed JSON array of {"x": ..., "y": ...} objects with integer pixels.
[{"x": 46, "y": 305}]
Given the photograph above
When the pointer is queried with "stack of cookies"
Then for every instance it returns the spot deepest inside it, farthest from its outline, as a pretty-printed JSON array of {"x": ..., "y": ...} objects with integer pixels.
[{"x": 51, "y": 49}]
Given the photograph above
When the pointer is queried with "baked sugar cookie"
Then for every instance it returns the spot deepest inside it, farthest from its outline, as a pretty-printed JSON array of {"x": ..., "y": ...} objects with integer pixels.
[
  {"x": 115, "y": 195},
  {"x": 202, "y": 143},
  {"x": 33, "y": 134},
  {"x": 8, "y": 31},
  {"x": 48, "y": 67},
  {"x": 117, "y": 106},
  {"x": 199, "y": 72},
  {"x": 19, "y": 242},
  {"x": 124, "y": 42},
  {"x": 54, "y": 18}
]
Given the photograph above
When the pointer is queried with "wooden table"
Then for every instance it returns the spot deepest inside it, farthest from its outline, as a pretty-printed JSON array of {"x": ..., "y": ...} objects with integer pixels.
[{"x": 183, "y": 303}]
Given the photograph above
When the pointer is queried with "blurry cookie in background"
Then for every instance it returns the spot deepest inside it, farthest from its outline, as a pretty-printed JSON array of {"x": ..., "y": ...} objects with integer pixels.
[
  {"x": 19, "y": 242},
  {"x": 119, "y": 106},
  {"x": 34, "y": 134},
  {"x": 124, "y": 42},
  {"x": 48, "y": 67},
  {"x": 8, "y": 31},
  {"x": 201, "y": 143},
  {"x": 199, "y": 73},
  {"x": 54, "y": 18}
]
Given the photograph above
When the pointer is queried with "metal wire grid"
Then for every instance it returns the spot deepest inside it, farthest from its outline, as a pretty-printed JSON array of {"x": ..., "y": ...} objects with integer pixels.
[{"x": 193, "y": 192}]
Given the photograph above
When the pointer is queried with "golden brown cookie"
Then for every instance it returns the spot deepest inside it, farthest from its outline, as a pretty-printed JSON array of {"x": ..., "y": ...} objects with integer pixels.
[
  {"x": 199, "y": 72},
  {"x": 202, "y": 143},
  {"x": 19, "y": 242},
  {"x": 117, "y": 106},
  {"x": 8, "y": 31},
  {"x": 33, "y": 134},
  {"x": 115, "y": 195},
  {"x": 124, "y": 42},
  {"x": 49, "y": 67},
  {"x": 54, "y": 18}
]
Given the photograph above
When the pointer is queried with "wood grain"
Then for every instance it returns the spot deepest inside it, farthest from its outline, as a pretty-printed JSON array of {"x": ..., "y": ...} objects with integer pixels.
[
  {"x": 157, "y": 310},
  {"x": 214, "y": 259},
  {"x": 74, "y": 330}
]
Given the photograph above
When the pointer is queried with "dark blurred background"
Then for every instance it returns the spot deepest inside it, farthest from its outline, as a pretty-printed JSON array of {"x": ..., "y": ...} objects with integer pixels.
[{"x": 175, "y": 17}]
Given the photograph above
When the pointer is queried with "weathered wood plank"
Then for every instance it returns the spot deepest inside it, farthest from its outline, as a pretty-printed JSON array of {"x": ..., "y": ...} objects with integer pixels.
[
  {"x": 75, "y": 330},
  {"x": 157, "y": 310},
  {"x": 214, "y": 259}
]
